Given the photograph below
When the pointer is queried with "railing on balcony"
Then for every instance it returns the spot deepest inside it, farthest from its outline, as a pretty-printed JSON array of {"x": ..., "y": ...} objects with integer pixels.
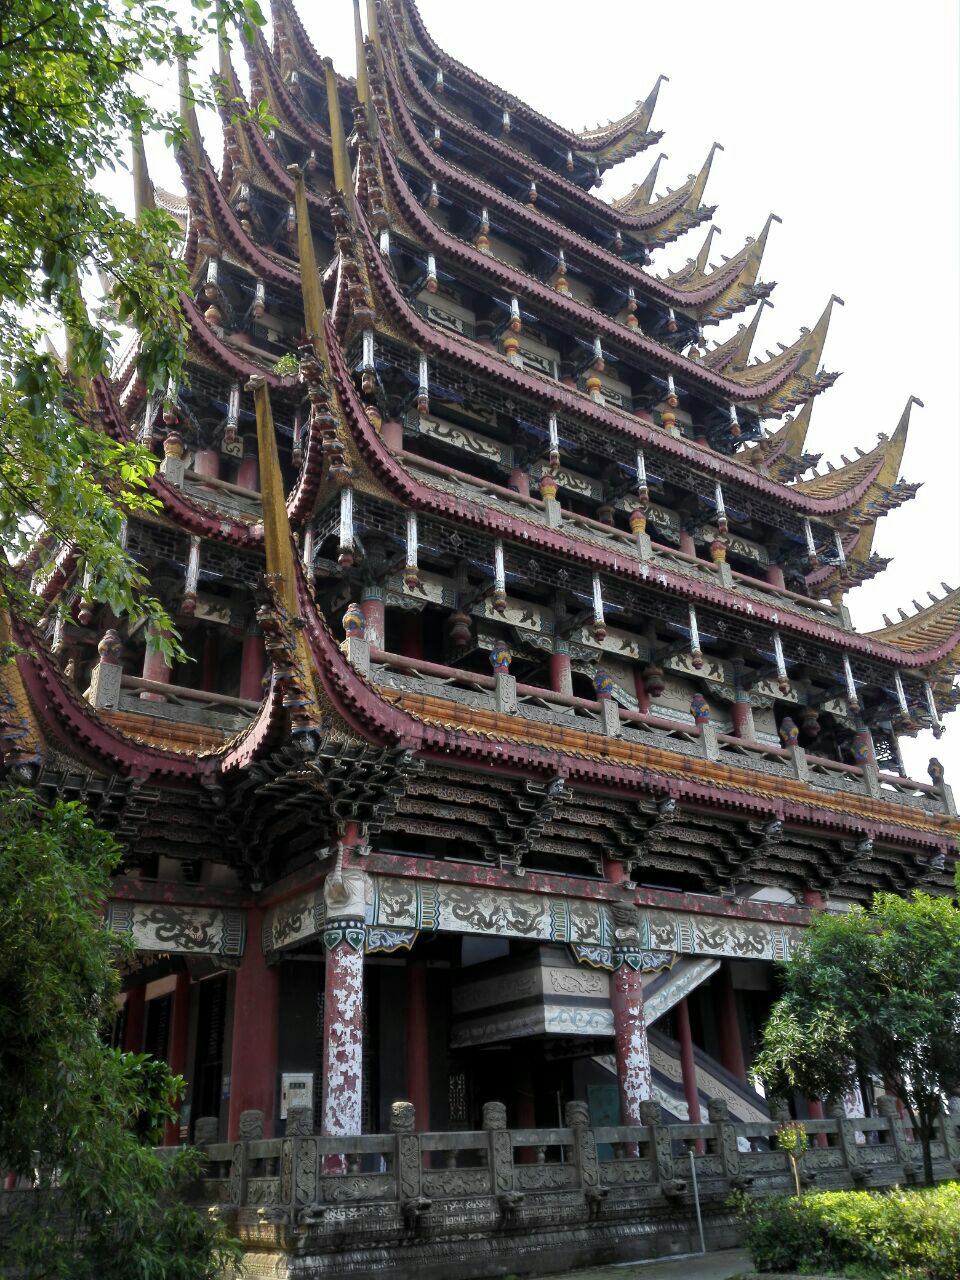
[{"x": 416, "y": 675}]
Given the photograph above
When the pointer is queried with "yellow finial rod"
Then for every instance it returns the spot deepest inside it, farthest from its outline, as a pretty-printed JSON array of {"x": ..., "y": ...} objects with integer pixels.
[
  {"x": 342, "y": 173},
  {"x": 314, "y": 308},
  {"x": 363, "y": 84}
]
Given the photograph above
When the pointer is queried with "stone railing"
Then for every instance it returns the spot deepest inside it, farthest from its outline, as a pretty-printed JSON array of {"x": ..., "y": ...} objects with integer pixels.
[{"x": 574, "y": 1193}]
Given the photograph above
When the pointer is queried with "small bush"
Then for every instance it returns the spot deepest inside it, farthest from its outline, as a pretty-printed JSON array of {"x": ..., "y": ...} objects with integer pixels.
[{"x": 909, "y": 1235}]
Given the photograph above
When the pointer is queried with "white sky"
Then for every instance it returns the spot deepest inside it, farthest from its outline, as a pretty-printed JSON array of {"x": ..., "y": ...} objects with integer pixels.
[{"x": 840, "y": 117}]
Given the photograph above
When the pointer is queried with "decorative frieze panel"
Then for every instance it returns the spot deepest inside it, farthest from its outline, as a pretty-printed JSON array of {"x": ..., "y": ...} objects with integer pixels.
[
  {"x": 211, "y": 931},
  {"x": 397, "y": 908}
]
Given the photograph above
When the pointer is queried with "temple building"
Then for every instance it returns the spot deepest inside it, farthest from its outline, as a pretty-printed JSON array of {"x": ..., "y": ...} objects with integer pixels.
[{"x": 524, "y": 723}]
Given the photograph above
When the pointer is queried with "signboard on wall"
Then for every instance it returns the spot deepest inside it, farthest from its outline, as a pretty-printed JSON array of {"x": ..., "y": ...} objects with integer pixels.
[{"x": 296, "y": 1090}]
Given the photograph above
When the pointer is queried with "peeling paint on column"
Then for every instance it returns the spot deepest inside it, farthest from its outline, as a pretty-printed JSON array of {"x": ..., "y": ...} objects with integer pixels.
[
  {"x": 342, "y": 1041},
  {"x": 630, "y": 1034}
]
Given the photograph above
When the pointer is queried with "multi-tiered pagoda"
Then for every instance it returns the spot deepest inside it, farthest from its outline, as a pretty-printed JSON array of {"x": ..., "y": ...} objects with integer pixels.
[{"x": 524, "y": 722}]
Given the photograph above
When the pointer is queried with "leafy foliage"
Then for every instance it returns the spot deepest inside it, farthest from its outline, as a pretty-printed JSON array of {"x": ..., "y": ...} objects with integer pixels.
[
  {"x": 70, "y": 77},
  {"x": 878, "y": 988},
  {"x": 77, "y": 1115},
  {"x": 907, "y": 1235}
]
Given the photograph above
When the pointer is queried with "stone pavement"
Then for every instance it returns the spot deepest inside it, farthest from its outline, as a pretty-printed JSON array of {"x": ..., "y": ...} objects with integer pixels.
[{"x": 719, "y": 1265}]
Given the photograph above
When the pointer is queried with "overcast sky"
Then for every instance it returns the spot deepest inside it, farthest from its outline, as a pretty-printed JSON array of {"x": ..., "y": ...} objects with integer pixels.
[{"x": 840, "y": 117}]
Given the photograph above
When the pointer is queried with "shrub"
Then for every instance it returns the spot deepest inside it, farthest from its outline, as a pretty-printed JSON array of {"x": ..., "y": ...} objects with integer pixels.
[{"x": 910, "y": 1235}]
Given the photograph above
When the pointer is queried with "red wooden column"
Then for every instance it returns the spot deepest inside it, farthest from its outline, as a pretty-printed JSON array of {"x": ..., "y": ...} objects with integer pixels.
[
  {"x": 256, "y": 1019},
  {"x": 731, "y": 1046},
  {"x": 561, "y": 677},
  {"x": 374, "y": 610},
  {"x": 248, "y": 473},
  {"x": 177, "y": 1060},
  {"x": 643, "y": 698},
  {"x": 133, "y": 1026},
  {"x": 629, "y": 1026},
  {"x": 411, "y": 635},
  {"x": 418, "y": 1061},
  {"x": 688, "y": 1066},
  {"x": 253, "y": 662},
  {"x": 775, "y": 576},
  {"x": 343, "y": 940},
  {"x": 155, "y": 667}
]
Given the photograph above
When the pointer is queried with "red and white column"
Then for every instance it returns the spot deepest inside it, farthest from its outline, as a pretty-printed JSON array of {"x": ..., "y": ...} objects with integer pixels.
[
  {"x": 256, "y": 1025},
  {"x": 344, "y": 936},
  {"x": 630, "y": 1035},
  {"x": 342, "y": 1039}
]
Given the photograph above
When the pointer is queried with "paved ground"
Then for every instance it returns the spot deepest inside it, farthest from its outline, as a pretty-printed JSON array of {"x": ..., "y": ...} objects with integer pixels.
[{"x": 714, "y": 1266}]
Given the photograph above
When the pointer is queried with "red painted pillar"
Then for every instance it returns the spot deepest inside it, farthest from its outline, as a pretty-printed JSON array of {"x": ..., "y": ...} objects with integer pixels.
[
  {"x": 815, "y": 1107},
  {"x": 520, "y": 480},
  {"x": 133, "y": 1026},
  {"x": 206, "y": 463},
  {"x": 688, "y": 1066},
  {"x": 256, "y": 1019},
  {"x": 178, "y": 1046},
  {"x": 814, "y": 899},
  {"x": 561, "y": 677},
  {"x": 731, "y": 1046},
  {"x": 155, "y": 667},
  {"x": 418, "y": 1061},
  {"x": 253, "y": 662},
  {"x": 248, "y": 473},
  {"x": 391, "y": 433},
  {"x": 210, "y": 673},
  {"x": 411, "y": 635},
  {"x": 643, "y": 698},
  {"x": 687, "y": 544},
  {"x": 775, "y": 576},
  {"x": 374, "y": 612},
  {"x": 740, "y": 712}
]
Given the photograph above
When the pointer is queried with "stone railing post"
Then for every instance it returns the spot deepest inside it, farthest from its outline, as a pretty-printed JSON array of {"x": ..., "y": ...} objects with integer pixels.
[
  {"x": 576, "y": 1116},
  {"x": 950, "y": 1137},
  {"x": 887, "y": 1108},
  {"x": 709, "y": 745},
  {"x": 206, "y": 1131},
  {"x": 407, "y": 1162},
  {"x": 847, "y": 1142},
  {"x": 718, "y": 1114},
  {"x": 661, "y": 1148},
  {"x": 501, "y": 1148},
  {"x": 298, "y": 1160}
]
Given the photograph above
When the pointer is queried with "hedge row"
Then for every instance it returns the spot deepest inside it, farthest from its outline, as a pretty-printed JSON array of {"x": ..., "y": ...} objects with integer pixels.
[{"x": 896, "y": 1235}]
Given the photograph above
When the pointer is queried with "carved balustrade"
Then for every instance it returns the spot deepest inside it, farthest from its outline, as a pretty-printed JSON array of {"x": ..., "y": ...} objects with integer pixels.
[
  {"x": 439, "y": 1183},
  {"x": 415, "y": 675}
]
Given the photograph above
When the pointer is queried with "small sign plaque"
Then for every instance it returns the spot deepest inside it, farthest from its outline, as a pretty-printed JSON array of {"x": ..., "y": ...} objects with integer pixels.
[{"x": 296, "y": 1090}]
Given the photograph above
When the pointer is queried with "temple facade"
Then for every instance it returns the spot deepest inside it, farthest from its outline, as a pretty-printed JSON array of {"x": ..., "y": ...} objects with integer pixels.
[{"x": 524, "y": 722}]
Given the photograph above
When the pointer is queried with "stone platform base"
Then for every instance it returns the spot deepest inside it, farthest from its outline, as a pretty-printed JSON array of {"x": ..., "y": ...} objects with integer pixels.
[{"x": 518, "y": 1252}]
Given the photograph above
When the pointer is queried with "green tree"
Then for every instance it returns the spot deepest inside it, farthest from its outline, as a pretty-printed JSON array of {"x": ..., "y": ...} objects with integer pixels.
[
  {"x": 72, "y": 77},
  {"x": 75, "y": 1114},
  {"x": 879, "y": 988}
]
